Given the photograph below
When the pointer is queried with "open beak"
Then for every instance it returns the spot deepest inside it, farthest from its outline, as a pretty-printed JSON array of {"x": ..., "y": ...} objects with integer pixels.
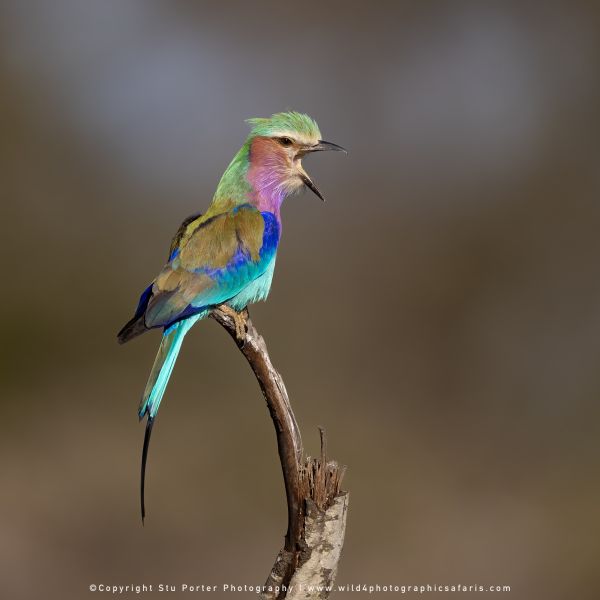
[
  {"x": 309, "y": 184},
  {"x": 321, "y": 146}
]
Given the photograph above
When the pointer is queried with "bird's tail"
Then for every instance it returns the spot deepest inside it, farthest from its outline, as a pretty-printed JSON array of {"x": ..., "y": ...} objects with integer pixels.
[
  {"x": 163, "y": 367},
  {"x": 157, "y": 383}
]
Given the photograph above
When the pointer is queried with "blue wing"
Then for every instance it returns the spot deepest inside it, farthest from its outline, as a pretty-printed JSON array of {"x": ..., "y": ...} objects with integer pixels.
[{"x": 214, "y": 263}]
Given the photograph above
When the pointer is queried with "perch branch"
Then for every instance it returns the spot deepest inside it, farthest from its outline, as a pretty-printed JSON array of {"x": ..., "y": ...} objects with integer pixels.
[{"x": 316, "y": 506}]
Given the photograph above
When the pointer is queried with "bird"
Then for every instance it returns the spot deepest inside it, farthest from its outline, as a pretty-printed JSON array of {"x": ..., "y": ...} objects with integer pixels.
[{"x": 225, "y": 257}]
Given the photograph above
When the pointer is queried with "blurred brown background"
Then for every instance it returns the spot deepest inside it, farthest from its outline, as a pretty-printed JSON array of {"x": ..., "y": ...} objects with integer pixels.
[{"x": 439, "y": 315}]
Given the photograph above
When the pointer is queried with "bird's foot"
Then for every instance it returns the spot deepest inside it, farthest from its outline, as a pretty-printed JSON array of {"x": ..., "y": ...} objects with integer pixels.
[{"x": 239, "y": 320}]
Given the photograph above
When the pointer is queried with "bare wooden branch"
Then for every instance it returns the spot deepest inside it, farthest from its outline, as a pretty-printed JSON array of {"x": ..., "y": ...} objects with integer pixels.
[
  {"x": 324, "y": 534},
  {"x": 316, "y": 506}
]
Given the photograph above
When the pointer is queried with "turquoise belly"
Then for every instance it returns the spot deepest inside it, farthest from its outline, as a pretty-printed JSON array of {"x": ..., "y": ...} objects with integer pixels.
[{"x": 255, "y": 291}]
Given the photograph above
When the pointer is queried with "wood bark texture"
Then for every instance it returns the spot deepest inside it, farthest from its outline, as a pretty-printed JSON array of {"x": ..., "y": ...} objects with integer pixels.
[{"x": 307, "y": 564}]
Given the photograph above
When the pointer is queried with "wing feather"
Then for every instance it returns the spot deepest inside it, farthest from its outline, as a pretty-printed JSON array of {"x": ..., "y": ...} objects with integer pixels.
[{"x": 210, "y": 262}]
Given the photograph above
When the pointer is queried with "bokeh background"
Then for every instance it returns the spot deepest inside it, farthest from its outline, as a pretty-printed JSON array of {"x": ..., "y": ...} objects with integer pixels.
[{"x": 439, "y": 315}]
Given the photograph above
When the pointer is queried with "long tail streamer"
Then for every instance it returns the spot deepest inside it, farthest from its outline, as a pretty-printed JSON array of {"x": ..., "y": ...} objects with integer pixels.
[{"x": 157, "y": 384}]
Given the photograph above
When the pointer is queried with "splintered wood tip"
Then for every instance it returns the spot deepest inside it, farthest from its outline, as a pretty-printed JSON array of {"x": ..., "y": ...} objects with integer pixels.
[{"x": 320, "y": 478}]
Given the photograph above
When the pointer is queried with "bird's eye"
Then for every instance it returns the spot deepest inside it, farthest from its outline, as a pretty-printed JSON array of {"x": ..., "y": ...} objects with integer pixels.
[{"x": 285, "y": 141}]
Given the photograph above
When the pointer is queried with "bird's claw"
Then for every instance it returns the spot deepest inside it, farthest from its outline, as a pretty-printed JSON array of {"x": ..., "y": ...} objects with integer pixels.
[{"x": 239, "y": 320}]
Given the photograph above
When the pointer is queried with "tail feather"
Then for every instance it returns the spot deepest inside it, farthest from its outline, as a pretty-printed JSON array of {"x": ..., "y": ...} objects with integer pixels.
[
  {"x": 157, "y": 383},
  {"x": 147, "y": 435}
]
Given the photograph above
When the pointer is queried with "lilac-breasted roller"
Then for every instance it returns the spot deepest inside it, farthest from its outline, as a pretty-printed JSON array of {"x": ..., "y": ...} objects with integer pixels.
[{"x": 225, "y": 256}]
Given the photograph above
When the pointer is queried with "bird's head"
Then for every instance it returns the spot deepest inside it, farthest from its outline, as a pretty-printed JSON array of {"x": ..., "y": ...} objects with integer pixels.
[{"x": 276, "y": 148}]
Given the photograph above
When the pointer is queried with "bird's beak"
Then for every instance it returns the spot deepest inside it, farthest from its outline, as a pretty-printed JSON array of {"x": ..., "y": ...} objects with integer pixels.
[
  {"x": 321, "y": 146},
  {"x": 309, "y": 184}
]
